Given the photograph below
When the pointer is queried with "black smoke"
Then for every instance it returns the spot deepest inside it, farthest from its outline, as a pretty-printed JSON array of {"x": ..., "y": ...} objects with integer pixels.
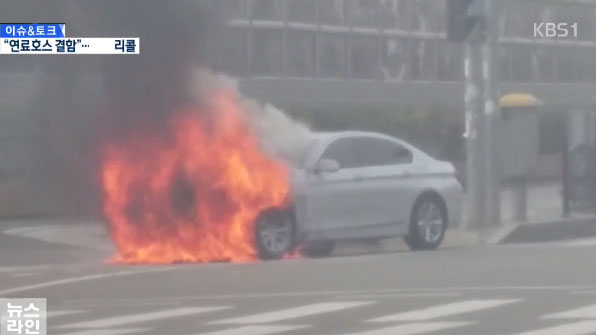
[
  {"x": 75, "y": 103},
  {"x": 176, "y": 38}
]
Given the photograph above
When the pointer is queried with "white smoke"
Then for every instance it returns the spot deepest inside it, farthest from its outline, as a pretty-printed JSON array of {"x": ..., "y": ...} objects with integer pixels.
[{"x": 280, "y": 135}]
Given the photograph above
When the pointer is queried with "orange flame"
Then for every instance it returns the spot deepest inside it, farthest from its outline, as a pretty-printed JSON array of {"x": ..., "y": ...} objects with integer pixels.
[{"x": 192, "y": 195}]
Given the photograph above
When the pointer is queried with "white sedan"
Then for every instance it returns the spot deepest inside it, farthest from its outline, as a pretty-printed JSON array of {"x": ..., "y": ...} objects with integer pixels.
[{"x": 362, "y": 186}]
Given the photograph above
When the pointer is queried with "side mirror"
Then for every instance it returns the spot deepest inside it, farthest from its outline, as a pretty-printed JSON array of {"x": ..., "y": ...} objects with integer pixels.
[{"x": 326, "y": 165}]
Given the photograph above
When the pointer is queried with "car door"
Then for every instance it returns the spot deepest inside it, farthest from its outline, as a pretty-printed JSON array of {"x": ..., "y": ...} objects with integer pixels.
[
  {"x": 387, "y": 187},
  {"x": 334, "y": 197}
]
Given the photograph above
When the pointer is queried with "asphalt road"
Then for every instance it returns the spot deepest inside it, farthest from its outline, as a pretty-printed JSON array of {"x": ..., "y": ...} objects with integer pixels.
[{"x": 515, "y": 289}]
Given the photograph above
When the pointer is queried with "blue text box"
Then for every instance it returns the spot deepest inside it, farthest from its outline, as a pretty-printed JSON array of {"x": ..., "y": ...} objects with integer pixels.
[{"x": 32, "y": 30}]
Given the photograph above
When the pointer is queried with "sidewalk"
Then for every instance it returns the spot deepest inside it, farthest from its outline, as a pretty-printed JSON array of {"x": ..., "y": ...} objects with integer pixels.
[
  {"x": 545, "y": 221},
  {"x": 545, "y": 202}
]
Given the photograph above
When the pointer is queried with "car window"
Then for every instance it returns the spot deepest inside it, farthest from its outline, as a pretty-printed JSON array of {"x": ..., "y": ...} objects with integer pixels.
[
  {"x": 379, "y": 152},
  {"x": 342, "y": 151}
]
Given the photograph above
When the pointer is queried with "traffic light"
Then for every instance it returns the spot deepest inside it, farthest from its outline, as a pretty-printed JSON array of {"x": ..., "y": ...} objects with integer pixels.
[{"x": 460, "y": 20}]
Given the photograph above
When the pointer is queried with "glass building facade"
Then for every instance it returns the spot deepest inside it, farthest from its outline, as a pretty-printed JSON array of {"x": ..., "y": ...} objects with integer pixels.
[{"x": 395, "y": 41}]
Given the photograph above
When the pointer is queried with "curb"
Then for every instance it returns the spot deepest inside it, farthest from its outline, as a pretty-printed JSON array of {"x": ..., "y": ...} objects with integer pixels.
[{"x": 544, "y": 231}]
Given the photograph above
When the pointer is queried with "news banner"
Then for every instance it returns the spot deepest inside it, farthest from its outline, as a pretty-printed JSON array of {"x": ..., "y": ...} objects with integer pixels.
[{"x": 50, "y": 39}]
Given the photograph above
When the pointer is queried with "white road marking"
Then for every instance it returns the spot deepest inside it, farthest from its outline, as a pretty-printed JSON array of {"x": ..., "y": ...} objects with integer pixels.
[
  {"x": 108, "y": 332},
  {"x": 399, "y": 295},
  {"x": 92, "y": 236},
  {"x": 586, "y": 312},
  {"x": 55, "y": 314},
  {"x": 580, "y": 243},
  {"x": 281, "y": 294},
  {"x": 577, "y": 328},
  {"x": 125, "y": 304},
  {"x": 255, "y": 330},
  {"x": 136, "y": 318},
  {"x": 82, "y": 278},
  {"x": 413, "y": 328},
  {"x": 293, "y": 313},
  {"x": 45, "y": 267},
  {"x": 24, "y": 274},
  {"x": 439, "y": 311}
]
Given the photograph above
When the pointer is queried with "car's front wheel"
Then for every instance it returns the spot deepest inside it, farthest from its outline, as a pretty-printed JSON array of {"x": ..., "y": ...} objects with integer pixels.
[
  {"x": 274, "y": 234},
  {"x": 427, "y": 223}
]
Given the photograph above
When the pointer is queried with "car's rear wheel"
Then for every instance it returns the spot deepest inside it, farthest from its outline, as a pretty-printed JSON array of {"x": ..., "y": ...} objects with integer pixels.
[
  {"x": 274, "y": 234},
  {"x": 318, "y": 249},
  {"x": 428, "y": 223}
]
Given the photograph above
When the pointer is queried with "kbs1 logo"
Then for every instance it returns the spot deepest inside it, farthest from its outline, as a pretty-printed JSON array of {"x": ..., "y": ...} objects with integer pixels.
[{"x": 555, "y": 30}]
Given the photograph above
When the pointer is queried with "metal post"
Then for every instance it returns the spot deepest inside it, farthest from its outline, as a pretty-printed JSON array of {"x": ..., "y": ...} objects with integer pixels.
[
  {"x": 565, "y": 167},
  {"x": 475, "y": 169},
  {"x": 520, "y": 199},
  {"x": 491, "y": 114}
]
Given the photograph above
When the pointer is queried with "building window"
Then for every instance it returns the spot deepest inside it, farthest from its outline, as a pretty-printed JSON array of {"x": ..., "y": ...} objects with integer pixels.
[
  {"x": 584, "y": 65},
  {"x": 422, "y": 60},
  {"x": 521, "y": 63},
  {"x": 301, "y": 10},
  {"x": 265, "y": 9},
  {"x": 504, "y": 62},
  {"x": 543, "y": 64},
  {"x": 332, "y": 52},
  {"x": 450, "y": 62},
  {"x": 519, "y": 19},
  {"x": 365, "y": 61},
  {"x": 230, "y": 9},
  {"x": 229, "y": 56},
  {"x": 394, "y": 59},
  {"x": 565, "y": 64},
  {"x": 363, "y": 13},
  {"x": 425, "y": 16},
  {"x": 301, "y": 54},
  {"x": 266, "y": 46},
  {"x": 331, "y": 12},
  {"x": 394, "y": 14}
]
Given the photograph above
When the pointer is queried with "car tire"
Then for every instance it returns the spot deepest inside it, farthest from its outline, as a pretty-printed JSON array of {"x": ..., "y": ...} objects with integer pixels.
[
  {"x": 274, "y": 234},
  {"x": 318, "y": 249},
  {"x": 428, "y": 222}
]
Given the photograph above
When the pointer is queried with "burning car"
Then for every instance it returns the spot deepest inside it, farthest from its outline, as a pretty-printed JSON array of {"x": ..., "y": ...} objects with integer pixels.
[
  {"x": 359, "y": 185},
  {"x": 203, "y": 187}
]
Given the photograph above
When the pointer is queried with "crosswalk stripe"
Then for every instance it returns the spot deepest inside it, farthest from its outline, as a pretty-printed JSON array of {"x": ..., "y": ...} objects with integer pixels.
[
  {"x": 413, "y": 328},
  {"x": 434, "y": 312},
  {"x": 135, "y": 318},
  {"x": 577, "y": 328},
  {"x": 292, "y": 313},
  {"x": 255, "y": 330},
  {"x": 586, "y": 312},
  {"x": 108, "y": 332}
]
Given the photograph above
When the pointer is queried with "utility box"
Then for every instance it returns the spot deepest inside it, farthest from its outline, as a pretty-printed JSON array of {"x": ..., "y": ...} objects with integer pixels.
[
  {"x": 519, "y": 135},
  {"x": 519, "y": 144}
]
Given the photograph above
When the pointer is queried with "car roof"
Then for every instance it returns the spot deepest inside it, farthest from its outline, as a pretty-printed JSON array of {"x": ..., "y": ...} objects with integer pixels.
[
  {"x": 326, "y": 136},
  {"x": 345, "y": 133}
]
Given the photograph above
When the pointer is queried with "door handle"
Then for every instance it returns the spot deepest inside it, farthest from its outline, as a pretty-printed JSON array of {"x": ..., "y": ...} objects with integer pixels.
[
  {"x": 358, "y": 177},
  {"x": 407, "y": 174}
]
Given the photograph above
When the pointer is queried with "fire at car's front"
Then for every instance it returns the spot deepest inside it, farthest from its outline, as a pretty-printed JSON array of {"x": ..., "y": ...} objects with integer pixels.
[{"x": 191, "y": 193}]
